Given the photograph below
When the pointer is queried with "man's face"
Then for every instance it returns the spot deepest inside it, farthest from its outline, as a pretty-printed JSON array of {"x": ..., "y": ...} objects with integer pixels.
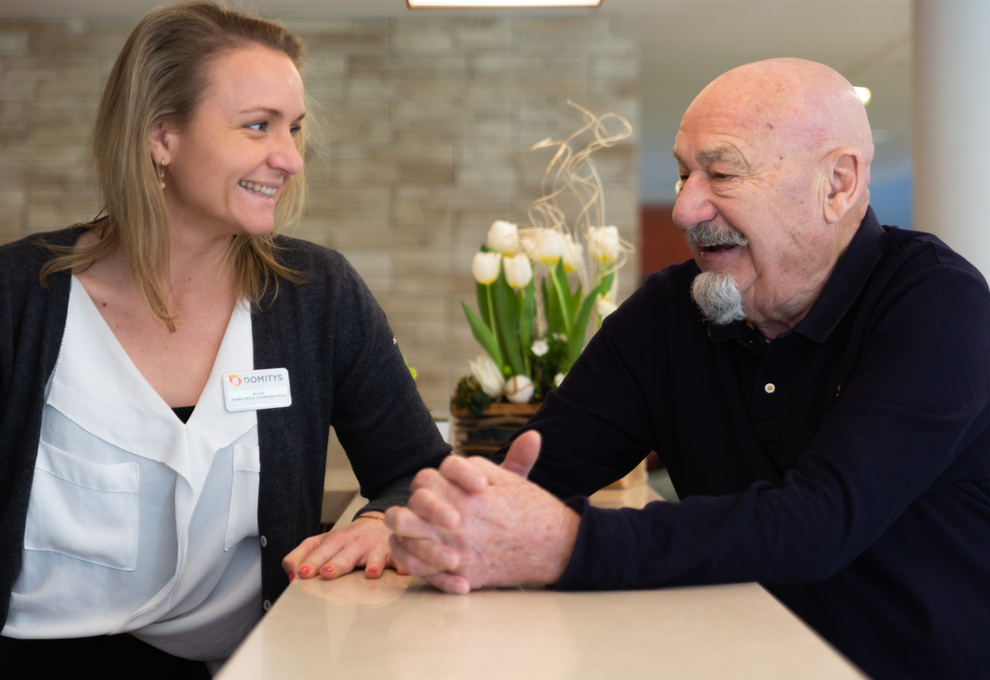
[{"x": 754, "y": 195}]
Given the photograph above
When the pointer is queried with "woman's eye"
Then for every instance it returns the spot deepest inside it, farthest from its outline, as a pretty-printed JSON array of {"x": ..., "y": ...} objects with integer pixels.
[
  {"x": 259, "y": 126},
  {"x": 295, "y": 129}
]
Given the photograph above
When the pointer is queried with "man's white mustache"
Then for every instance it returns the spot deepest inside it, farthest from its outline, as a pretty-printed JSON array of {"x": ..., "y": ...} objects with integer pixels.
[{"x": 708, "y": 235}]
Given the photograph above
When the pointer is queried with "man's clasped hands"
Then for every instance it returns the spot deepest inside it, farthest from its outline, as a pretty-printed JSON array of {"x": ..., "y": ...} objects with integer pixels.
[{"x": 472, "y": 523}]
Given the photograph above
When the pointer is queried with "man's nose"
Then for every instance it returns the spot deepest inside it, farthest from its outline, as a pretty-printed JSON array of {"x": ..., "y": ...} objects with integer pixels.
[{"x": 694, "y": 202}]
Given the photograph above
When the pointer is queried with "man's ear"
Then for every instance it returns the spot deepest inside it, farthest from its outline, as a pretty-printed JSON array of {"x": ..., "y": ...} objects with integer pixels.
[{"x": 845, "y": 185}]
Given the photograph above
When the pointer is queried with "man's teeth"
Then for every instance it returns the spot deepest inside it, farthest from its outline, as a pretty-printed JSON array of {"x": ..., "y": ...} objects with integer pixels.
[{"x": 258, "y": 188}]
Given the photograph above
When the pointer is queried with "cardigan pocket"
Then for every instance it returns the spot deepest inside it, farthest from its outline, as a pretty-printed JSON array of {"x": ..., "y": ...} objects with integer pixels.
[
  {"x": 242, "y": 518},
  {"x": 84, "y": 510}
]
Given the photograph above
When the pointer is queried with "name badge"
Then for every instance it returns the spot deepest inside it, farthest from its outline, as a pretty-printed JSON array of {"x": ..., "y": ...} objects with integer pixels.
[{"x": 256, "y": 390}]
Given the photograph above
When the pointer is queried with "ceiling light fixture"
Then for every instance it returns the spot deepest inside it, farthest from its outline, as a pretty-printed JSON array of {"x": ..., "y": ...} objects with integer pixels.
[{"x": 493, "y": 4}]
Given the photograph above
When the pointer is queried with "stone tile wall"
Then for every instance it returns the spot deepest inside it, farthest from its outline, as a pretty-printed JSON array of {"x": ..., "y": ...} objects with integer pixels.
[{"x": 428, "y": 124}]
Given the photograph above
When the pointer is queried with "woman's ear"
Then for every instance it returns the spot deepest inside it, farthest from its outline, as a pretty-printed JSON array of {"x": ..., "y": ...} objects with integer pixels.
[
  {"x": 159, "y": 139},
  {"x": 848, "y": 177}
]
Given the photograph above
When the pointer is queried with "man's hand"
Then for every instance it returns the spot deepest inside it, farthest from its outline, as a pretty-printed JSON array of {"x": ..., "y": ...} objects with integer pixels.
[
  {"x": 362, "y": 543},
  {"x": 472, "y": 524}
]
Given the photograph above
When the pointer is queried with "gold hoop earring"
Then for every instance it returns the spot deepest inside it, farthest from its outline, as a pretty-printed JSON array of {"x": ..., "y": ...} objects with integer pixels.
[{"x": 161, "y": 174}]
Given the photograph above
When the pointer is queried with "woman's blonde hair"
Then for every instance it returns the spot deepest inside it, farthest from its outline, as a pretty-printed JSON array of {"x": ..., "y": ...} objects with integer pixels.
[{"x": 162, "y": 73}]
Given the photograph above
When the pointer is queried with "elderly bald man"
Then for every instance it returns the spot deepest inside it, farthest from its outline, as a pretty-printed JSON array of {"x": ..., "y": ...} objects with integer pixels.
[{"x": 817, "y": 384}]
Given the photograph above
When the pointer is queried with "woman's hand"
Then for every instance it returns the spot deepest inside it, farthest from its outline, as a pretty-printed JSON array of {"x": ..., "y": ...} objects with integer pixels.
[{"x": 362, "y": 543}]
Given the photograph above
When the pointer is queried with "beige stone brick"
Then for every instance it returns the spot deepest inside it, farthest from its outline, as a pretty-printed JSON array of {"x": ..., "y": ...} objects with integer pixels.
[
  {"x": 419, "y": 135},
  {"x": 13, "y": 42}
]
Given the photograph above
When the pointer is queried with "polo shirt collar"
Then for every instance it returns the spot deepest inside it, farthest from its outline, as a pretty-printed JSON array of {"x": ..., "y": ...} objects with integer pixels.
[{"x": 846, "y": 282}]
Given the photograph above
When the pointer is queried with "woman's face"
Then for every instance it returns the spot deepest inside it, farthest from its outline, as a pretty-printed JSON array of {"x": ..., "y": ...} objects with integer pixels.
[{"x": 228, "y": 166}]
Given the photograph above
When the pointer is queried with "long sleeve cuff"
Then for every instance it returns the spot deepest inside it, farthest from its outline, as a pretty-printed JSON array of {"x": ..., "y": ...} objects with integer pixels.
[{"x": 605, "y": 551}]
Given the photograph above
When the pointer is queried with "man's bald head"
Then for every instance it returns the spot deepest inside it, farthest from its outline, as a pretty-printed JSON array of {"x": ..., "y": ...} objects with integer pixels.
[{"x": 792, "y": 100}]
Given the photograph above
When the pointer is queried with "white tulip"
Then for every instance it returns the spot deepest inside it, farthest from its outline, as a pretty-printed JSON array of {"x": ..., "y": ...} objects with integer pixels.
[
  {"x": 539, "y": 348},
  {"x": 518, "y": 271},
  {"x": 504, "y": 237},
  {"x": 488, "y": 375},
  {"x": 573, "y": 254},
  {"x": 549, "y": 246},
  {"x": 557, "y": 379},
  {"x": 604, "y": 244},
  {"x": 528, "y": 245},
  {"x": 519, "y": 389},
  {"x": 485, "y": 266},
  {"x": 604, "y": 307}
]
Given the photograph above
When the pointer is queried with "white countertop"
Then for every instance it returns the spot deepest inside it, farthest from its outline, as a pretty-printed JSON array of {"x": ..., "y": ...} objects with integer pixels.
[{"x": 399, "y": 627}]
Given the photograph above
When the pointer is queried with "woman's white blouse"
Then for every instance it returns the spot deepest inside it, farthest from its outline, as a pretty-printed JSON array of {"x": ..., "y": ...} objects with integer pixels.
[{"x": 137, "y": 522}]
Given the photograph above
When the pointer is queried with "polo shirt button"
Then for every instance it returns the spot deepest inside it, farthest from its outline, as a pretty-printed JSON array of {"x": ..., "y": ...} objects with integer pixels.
[
  {"x": 769, "y": 388},
  {"x": 263, "y": 541},
  {"x": 266, "y": 605}
]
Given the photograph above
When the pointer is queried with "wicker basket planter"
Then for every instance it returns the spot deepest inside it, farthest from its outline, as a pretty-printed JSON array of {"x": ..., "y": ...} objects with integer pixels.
[{"x": 484, "y": 436}]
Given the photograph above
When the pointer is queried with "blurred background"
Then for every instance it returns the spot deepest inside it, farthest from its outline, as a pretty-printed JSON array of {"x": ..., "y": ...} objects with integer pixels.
[{"x": 429, "y": 116}]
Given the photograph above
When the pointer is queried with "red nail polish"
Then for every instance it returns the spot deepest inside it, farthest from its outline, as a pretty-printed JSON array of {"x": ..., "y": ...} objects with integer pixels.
[
  {"x": 291, "y": 577},
  {"x": 304, "y": 571},
  {"x": 327, "y": 572},
  {"x": 372, "y": 571}
]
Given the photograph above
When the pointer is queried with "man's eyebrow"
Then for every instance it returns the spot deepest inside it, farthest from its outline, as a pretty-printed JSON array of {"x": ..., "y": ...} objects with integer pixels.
[{"x": 722, "y": 154}]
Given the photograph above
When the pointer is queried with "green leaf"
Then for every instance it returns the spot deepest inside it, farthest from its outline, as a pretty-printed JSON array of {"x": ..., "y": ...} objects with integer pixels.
[
  {"x": 562, "y": 295},
  {"x": 526, "y": 315},
  {"x": 507, "y": 320},
  {"x": 573, "y": 297},
  {"x": 605, "y": 285},
  {"x": 483, "y": 334},
  {"x": 481, "y": 292},
  {"x": 551, "y": 308},
  {"x": 575, "y": 341}
]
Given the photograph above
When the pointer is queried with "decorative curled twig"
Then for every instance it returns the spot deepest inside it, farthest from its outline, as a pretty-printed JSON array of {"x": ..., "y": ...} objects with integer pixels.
[{"x": 575, "y": 172}]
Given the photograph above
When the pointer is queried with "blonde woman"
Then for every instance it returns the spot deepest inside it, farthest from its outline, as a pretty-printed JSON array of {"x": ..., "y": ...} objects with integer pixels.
[{"x": 169, "y": 373}]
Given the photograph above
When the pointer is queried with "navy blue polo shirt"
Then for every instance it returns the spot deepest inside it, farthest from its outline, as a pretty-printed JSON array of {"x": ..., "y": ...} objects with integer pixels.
[{"x": 845, "y": 465}]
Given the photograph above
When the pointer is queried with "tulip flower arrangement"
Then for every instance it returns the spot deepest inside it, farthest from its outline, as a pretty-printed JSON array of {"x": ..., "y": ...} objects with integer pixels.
[{"x": 541, "y": 288}]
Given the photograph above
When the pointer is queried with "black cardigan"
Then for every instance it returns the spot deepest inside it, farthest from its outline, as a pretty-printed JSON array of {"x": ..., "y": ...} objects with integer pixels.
[{"x": 346, "y": 372}]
